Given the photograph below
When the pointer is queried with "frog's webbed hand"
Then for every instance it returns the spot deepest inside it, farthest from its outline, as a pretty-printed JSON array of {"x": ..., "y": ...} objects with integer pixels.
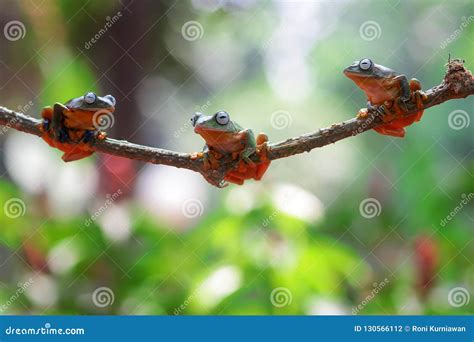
[
  {"x": 379, "y": 110},
  {"x": 90, "y": 135},
  {"x": 417, "y": 94},
  {"x": 405, "y": 88},
  {"x": 57, "y": 130},
  {"x": 262, "y": 146},
  {"x": 210, "y": 158}
]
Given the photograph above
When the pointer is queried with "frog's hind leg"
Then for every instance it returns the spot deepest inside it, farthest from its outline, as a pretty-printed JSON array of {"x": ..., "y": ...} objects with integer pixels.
[
  {"x": 390, "y": 130},
  {"x": 233, "y": 178},
  {"x": 76, "y": 154},
  {"x": 261, "y": 169},
  {"x": 56, "y": 121}
]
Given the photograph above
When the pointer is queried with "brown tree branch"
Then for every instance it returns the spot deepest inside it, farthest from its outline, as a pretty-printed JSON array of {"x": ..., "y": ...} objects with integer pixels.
[{"x": 457, "y": 83}]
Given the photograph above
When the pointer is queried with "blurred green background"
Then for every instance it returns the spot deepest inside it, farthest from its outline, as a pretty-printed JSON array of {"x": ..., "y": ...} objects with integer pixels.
[{"x": 357, "y": 227}]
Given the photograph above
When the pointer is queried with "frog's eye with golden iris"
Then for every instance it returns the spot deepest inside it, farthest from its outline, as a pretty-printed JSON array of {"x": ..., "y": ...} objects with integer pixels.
[
  {"x": 90, "y": 98},
  {"x": 365, "y": 64},
  {"x": 222, "y": 118}
]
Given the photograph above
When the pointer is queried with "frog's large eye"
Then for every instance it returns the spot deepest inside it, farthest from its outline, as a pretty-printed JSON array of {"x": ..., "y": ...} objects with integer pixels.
[
  {"x": 90, "y": 98},
  {"x": 111, "y": 99},
  {"x": 365, "y": 64},
  {"x": 195, "y": 118},
  {"x": 222, "y": 118}
]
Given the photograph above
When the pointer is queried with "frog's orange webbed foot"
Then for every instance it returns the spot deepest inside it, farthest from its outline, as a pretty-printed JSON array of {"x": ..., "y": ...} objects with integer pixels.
[
  {"x": 76, "y": 154},
  {"x": 234, "y": 178},
  {"x": 205, "y": 156},
  {"x": 390, "y": 130},
  {"x": 196, "y": 155}
]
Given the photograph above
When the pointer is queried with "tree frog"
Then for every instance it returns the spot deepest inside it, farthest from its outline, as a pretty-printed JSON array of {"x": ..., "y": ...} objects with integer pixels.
[
  {"x": 384, "y": 86},
  {"x": 225, "y": 137},
  {"x": 71, "y": 126}
]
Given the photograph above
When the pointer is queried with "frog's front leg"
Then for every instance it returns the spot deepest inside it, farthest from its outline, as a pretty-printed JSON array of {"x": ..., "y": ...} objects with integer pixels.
[
  {"x": 210, "y": 158},
  {"x": 418, "y": 96},
  {"x": 57, "y": 130},
  {"x": 89, "y": 135},
  {"x": 249, "y": 148},
  {"x": 381, "y": 110},
  {"x": 405, "y": 93},
  {"x": 262, "y": 150}
]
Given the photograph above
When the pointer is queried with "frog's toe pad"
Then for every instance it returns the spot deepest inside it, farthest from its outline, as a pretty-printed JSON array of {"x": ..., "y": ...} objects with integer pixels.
[
  {"x": 261, "y": 138},
  {"x": 196, "y": 155},
  {"x": 362, "y": 114}
]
